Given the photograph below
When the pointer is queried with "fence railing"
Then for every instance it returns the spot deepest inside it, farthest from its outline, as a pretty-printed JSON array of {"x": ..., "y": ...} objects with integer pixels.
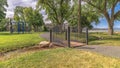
[{"x": 68, "y": 36}]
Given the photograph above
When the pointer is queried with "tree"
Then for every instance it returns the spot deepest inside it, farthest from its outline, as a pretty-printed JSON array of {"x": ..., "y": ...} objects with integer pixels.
[
  {"x": 19, "y": 17},
  {"x": 86, "y": 16},
  {"x": 18, "y": 14},
  {"x": 57, "y": 10},
  {"x": 29, "y": 16},
  {"x": 38, "y": 20},
  {"x": 4, "y": 24},
  {"x": 86, "y": 19},
  {"x": 3, "y": 4},
  {"x": 79, "y": 18},
  {"x": 104, "y": 7},
  {"x": 33, "y": 17}
]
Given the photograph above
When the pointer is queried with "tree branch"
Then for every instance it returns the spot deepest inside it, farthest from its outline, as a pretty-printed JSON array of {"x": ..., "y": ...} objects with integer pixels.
[
  {"x": 94, "y": 6},
  {"x": 113, "y": 8},
  {"x": 54, "y": 11},
  {"x": 105, "y": 5},
  {"x": 116, "y": 15}
]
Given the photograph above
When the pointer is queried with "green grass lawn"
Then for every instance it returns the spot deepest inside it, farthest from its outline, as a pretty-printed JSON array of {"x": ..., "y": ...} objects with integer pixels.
[
  {"x": 99, "y": 38},
  {"x": 104, "y": 39},
  {"x": 15, "y": 41},
  {"x": 55, "y": 58},
  {"x": 61, "y": 58}
]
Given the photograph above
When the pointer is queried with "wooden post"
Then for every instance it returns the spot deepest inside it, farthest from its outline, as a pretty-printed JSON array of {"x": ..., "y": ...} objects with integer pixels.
[{"x": 68, "y": 36}]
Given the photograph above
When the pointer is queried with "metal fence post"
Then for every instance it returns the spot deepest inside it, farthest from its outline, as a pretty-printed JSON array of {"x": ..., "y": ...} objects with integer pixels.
[
  {"x": 87, "y": 35},
  {"x": 50, "y": 35},
  {"x": 23, "y": 29},
  {"x": 68, "y": 36},
  {"x": 18, "y": 27},
  {"x": 11, "y": 26}
]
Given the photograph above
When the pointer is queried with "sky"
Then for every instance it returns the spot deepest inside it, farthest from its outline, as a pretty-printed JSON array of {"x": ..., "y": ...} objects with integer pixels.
[
  {"x": 13, "y": 3},
  {"x": 103, "y": 22},
  {"x": 32, "y": 3}
]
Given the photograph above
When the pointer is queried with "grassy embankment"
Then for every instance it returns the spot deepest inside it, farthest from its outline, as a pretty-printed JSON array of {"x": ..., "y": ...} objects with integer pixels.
[{"x": 16, "y": 41}]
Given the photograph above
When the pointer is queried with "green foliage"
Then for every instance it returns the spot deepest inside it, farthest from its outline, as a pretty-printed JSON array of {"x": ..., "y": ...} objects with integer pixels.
[
  {"x": 18, "y": 14},
  {"x": 87, "y": 16},
  {"x": 3, "y": 4},
  {"x": 103, "y": 7},
  {"x": 30, "y": 16},
  {"x": 58, "y": 10},
  {"x": 3, "y": 24},
  {"x": 33, "y": 17}
]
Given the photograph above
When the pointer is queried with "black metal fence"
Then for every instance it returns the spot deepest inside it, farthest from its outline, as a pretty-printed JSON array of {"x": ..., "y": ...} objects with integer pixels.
[{"x": 69, "y": 37}]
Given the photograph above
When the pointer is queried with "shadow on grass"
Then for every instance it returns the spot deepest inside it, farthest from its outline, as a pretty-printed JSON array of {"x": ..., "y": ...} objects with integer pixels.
[
  {"x": 96, "y": 43},
  {"x": 15, "y": 33},
  {"x": 115, "y": 39},
  {"x": 82, "y": 47},
  {"x": 6, "y": 33}
]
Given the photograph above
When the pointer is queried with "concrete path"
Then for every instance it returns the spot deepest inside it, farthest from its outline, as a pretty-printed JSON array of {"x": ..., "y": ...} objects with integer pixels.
[
  {"x": 46, "y": 36},
  {"x": 112, "y": 51}
]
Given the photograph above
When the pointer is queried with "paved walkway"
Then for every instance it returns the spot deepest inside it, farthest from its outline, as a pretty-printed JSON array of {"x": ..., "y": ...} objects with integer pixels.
[
  {"x": 112, "y": 51},
  {"x": 46, "y": 36}
]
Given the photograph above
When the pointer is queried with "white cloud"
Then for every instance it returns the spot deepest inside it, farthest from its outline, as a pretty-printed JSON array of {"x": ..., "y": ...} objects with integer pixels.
[
  {"x": 13, "y": 3},
  {"x": 25, "y": 3}
]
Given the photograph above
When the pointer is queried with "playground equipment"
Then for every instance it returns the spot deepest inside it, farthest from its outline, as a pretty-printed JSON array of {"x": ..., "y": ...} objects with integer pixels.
[{"x": 20, "y": 27}]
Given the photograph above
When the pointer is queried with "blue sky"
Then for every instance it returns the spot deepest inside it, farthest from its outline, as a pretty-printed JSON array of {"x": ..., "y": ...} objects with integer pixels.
[
  {"x": 27, "y": 3},
  {"x": 103, "y": 22}
]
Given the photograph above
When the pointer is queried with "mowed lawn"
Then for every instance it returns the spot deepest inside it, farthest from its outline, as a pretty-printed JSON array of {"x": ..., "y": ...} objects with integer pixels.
[
  {"x": 15, "y": 41},
  {"x": 104, "y": 39},
  {"x": 61, "y": 58},
  {"x": 95, "y": 38}
]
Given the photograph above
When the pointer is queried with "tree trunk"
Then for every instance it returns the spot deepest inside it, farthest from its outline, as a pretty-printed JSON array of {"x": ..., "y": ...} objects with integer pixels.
[
  {"x": 79, "y": 18},
  {"x": 60, "y": 28},
  {"x": 110, "y": 29},
  {"x": 110, "y": 26},
  {"x": 110, "y": 23},
  {"x": 34, "y": 28}
]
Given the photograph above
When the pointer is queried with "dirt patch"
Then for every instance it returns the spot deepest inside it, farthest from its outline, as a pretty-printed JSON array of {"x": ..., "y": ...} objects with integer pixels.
[
  {"x": 76, "y": 44},
  {"x": 40, "y": 46}
]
